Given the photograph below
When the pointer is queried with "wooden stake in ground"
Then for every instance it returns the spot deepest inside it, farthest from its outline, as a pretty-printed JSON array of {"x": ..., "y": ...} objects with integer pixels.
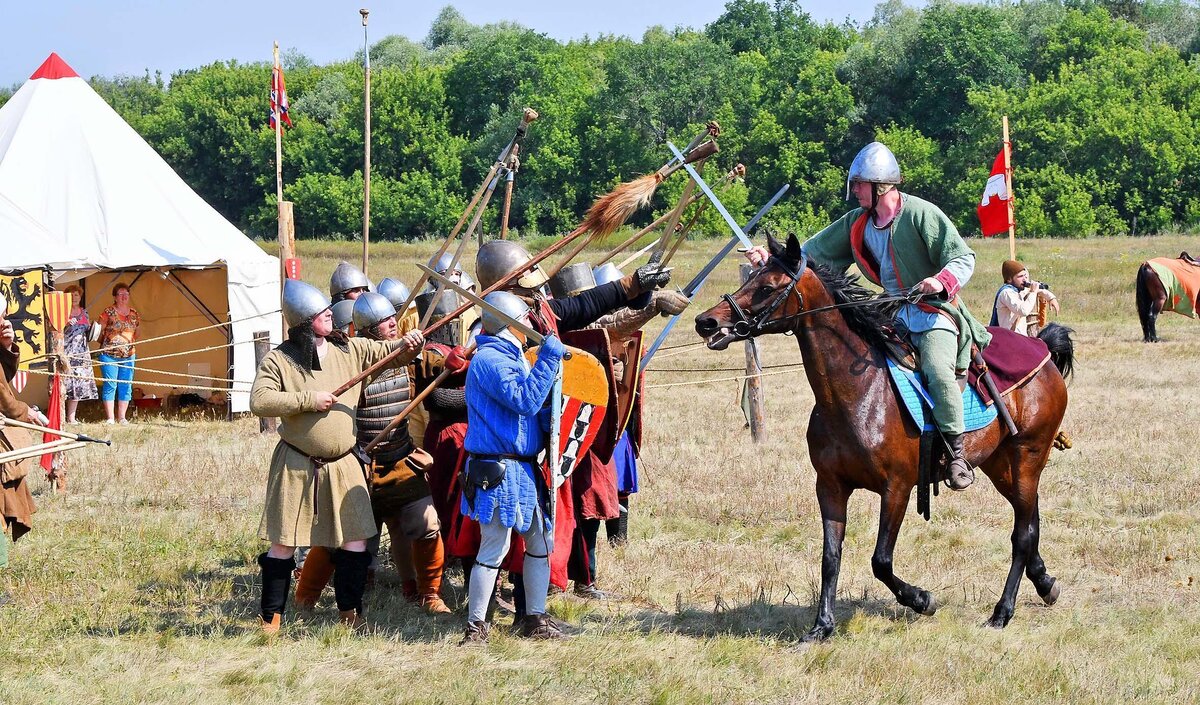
[
  {"x": 262, "y": 346},
  {"x": 366, "y": 230},
  {"x": 754, "y": 391},
  {"x": 1012, "y": 221}
]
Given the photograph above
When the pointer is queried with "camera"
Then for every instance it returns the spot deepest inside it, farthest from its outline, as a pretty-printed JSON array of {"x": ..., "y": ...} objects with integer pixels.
[{"x": 1042, "y": 285}]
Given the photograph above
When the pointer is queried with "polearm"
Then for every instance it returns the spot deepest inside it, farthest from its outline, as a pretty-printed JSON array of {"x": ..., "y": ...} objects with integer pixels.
[
  {"x": 649, "y": 183},
  {"x": 462, "y": 244},
  {"x": 514, "y": 163},
  {"x": 527, "y": 116},
  {"x": 42, "y": 429},
  {"x": 733, "y": 174},
  {"x": 436, "y": 382},
  {"x": 697, "y": 281},
  {"x": 34, "y": 451},
  {"x": 366, "y": 226},
  {"x": 738, "y": 231},
  {"x": 607, "y": 214}
]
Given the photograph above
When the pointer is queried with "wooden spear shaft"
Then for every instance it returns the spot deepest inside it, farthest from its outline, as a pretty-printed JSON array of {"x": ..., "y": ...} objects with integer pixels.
[{"x": 441, "y": 289}]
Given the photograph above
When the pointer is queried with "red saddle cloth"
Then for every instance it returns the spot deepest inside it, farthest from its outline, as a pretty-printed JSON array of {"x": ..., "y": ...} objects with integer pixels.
[{"x": 1012, "y": 359}]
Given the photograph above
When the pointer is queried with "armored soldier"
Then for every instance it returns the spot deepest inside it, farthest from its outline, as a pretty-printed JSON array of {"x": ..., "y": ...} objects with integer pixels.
[
  {"x": 347, "y": 282},
  {"x": 903, "y": 243},
  {"x": 316, "y": 493},
  {"x": 505, "y": 490}
]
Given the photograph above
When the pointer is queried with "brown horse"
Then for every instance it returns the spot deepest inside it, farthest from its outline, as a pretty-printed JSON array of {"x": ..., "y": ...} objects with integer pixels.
[
  {"x": 859, "y": 438},
  {"x": 1152, "y": 298}
]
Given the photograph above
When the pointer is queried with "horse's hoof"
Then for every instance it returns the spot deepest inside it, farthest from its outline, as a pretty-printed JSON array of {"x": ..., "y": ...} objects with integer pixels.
[
  {"x": 1051, "y": 597},
  {"x": 817, "y": 634},
  {"x": 930, "y": 607},
  {"x": 998, "y": 621}
]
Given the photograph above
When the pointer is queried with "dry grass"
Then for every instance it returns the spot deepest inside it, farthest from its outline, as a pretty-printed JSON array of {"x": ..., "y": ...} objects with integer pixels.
[{"x": 140, "y": 585}]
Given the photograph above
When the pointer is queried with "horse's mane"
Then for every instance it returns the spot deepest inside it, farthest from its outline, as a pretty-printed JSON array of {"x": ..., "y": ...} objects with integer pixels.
[{"x": 866, "y": 321}]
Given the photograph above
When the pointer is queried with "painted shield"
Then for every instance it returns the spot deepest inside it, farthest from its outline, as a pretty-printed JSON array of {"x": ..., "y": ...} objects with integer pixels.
[
  {"x": 58, "y": 308},
  {"x": 629, "y": 354},
  {"x": 597, "y": 343},
  {"x": 585, "y": 401}
]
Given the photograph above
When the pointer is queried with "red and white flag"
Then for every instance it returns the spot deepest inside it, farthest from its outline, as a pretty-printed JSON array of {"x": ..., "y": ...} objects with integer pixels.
[
  {"x": 995, "y": 208},
  {"x": 279, "y": 99}
]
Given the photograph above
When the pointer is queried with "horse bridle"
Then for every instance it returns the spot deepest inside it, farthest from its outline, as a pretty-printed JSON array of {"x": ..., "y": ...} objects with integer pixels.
[{"x": 744, "y": 326}]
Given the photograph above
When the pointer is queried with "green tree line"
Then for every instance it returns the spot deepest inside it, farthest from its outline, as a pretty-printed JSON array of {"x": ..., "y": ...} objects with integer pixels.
[{"x": 1103, "y": 99}]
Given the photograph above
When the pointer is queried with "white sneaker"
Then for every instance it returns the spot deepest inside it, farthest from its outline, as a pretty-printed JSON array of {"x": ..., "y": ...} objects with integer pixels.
[
  {"x": 123, "y": 422},
  {"x": 109, "y": 422}
]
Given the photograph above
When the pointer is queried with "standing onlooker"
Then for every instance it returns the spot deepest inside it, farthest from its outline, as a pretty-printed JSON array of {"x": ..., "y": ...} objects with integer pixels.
[
  {"x": 81, "y": 384},
  {"x": 117, "y": 354},
  {"x": 1019, "y": 299}
]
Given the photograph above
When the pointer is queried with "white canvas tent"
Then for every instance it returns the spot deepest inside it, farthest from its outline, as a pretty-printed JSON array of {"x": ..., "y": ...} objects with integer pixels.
[{"x": 113, "y": 210}]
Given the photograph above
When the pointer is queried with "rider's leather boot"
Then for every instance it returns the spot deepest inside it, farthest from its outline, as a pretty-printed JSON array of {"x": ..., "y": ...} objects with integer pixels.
[{"x": 959, "y": 473}]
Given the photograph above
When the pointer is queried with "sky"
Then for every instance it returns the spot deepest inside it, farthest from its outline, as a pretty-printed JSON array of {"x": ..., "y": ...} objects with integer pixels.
[{"x": 112, "y": 37}]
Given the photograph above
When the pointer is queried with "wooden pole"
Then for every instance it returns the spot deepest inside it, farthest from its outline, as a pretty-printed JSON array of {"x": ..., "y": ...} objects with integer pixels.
[
  {"x": 508, "y": 189},
  {"x": 758, "y": 424},
  {"x": 262, "y": 346},
  {"x": 282, "y": 234},
  {"x": 1012, "y": 225},
  {"x": 366, "y": 234}
]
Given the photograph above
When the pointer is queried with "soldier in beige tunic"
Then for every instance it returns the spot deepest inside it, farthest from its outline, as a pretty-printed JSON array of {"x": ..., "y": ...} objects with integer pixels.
[{"x": 316, "y": 489}]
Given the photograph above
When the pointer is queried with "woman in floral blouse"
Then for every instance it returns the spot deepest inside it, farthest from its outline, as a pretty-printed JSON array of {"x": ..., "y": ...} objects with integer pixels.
[
  {"x": 117, "y": 354},
  {"x": 81, "y": 384}
]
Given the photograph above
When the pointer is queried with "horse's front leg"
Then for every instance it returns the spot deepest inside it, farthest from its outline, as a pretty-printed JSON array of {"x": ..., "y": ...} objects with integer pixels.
[
  {"x": 1021, "y": 493},
  {"x": 832, "y": 497},
  {"x": 892, "y": 507}
]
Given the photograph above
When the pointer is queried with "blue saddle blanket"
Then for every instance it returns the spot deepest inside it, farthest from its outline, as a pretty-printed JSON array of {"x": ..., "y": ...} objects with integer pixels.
[{"x": 916, "y": 400}]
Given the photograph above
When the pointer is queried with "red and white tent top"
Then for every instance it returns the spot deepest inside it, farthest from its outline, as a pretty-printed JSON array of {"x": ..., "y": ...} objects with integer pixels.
[
  {"x": 70, "y": 161},
  {"x": 104, "y": 200}
]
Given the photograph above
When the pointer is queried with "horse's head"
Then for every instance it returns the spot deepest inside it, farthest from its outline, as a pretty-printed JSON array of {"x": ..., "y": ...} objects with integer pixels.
[{"x": 764, "y": 304}]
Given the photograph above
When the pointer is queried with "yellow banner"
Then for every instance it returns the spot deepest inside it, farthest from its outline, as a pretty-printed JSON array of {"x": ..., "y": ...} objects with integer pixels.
[{"x": 26, "y": 311}]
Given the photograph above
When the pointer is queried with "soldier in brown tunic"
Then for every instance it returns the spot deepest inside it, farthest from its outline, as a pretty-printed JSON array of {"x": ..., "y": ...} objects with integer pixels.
[{"x": 316, "y": 491}]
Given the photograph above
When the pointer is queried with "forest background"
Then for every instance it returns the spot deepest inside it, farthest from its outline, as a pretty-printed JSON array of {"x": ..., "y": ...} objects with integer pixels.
[{"x": 1103, "y": 99}]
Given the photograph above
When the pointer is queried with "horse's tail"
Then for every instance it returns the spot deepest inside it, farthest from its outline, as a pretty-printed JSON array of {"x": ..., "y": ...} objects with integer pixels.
[
  {"x": 1143, "y": 295},
  {"x": 1057, "y": 337}
]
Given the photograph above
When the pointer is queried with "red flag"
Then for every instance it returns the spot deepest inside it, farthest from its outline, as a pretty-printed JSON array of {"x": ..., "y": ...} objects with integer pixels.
[
  {"x": 995, "y": 208},
  {"x": 279, "y": 99},
  {"x": 54, "y": 414}
]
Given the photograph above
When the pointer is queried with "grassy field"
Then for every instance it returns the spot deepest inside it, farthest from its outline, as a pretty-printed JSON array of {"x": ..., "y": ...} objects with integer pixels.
[{"x": 140, "y": 586}]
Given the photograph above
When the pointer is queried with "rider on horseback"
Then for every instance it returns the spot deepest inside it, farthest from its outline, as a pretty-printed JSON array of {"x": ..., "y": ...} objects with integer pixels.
[{"x": 906, "y": 244}]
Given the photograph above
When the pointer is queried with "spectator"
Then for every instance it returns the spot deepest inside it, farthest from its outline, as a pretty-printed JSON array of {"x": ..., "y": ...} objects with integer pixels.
[
  {"x": 81, "y": 384},
  {"x": 119, "y": 325}
]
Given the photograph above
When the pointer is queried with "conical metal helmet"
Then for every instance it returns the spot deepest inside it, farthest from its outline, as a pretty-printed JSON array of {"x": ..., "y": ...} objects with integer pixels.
[
  {"x": 301, "y": 302},
  {"x": 497, "y": 258},
  {"x": 456, "y": 273},
  {"x": 607, "y": 273},
  {"x": 395, "y": 291},
  {"x": 510, "y": 304},
  {"x": 370, "y": 309},
  {"x": 874, "y": 164},
  {"x": 572, "y": 279},
  {"x": 346, "y": 277},
  {"x": 343, "y": 314}
]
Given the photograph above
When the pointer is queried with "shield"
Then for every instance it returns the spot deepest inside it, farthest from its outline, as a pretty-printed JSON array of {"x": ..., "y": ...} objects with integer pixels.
[
  {"x": 629, "y": 352},
  {"x": 598, "y": 344},
  {"x": 58, "y": 309},
  {"x": 585, "y": 393}
]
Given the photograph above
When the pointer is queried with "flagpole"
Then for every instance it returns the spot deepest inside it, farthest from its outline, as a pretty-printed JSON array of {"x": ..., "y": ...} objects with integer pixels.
[
  {"x": 1012, "y": 222},
  {"x": 366, "y": 139}
]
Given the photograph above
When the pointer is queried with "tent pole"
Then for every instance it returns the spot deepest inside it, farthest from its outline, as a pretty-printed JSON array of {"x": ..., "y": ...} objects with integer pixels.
[{"x": 366, "y": 233}]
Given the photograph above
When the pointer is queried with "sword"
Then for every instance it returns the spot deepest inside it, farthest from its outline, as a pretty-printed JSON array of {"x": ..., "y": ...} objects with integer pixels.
[
  {"x": 532, "y": 335},
  {"x": 42, "y": 429},
  {"x": 693, "y": 287},
  {"x": 737, "y": 230}
]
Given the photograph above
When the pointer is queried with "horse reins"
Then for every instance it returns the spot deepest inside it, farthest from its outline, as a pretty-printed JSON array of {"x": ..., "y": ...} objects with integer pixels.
[{"x": 744, "y": 326}]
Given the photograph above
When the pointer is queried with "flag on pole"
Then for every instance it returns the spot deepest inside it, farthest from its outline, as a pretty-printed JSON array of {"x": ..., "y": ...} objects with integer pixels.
[
  {"x": 54, "y": 415},
  {"x": 279, "y": 99},
  {"x": 995, "y": 208}
]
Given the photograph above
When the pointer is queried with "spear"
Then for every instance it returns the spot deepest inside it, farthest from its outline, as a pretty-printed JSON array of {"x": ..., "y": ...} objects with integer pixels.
[
  {"x": 632, "y": 195},
  {"x": 527, "y": 117},
  {"x": 43, "y": 429},
  {"x": 737, "y": 172},
  {"x": 608, "y": 213},
  {"x": 514, "y": 164}
]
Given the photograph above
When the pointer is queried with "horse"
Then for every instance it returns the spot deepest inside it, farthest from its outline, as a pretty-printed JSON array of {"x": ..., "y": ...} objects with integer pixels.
[
  {"x": 858, "y": 436},
  {"x": 1152, "y": 297}
]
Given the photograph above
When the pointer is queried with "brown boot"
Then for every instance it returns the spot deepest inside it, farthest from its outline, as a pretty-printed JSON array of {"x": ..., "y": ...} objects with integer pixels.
[
  {"x": 540, "y": 626},
  {"x": 959, "y": 473},
  {"x": 314, "y": 576},
  {"x": 271, "y": 628},
  {"x": 477, "y": 633},
  {"x": 353, "y": 620},
  {"x": 428, "y": 561}
]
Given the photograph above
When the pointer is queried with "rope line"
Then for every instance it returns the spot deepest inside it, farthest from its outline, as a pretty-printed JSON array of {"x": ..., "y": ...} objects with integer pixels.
[
  {"x": 718, "y": 379},
  {"x": 140, "y": 383},
  {"x": 720, "y": 369}
]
